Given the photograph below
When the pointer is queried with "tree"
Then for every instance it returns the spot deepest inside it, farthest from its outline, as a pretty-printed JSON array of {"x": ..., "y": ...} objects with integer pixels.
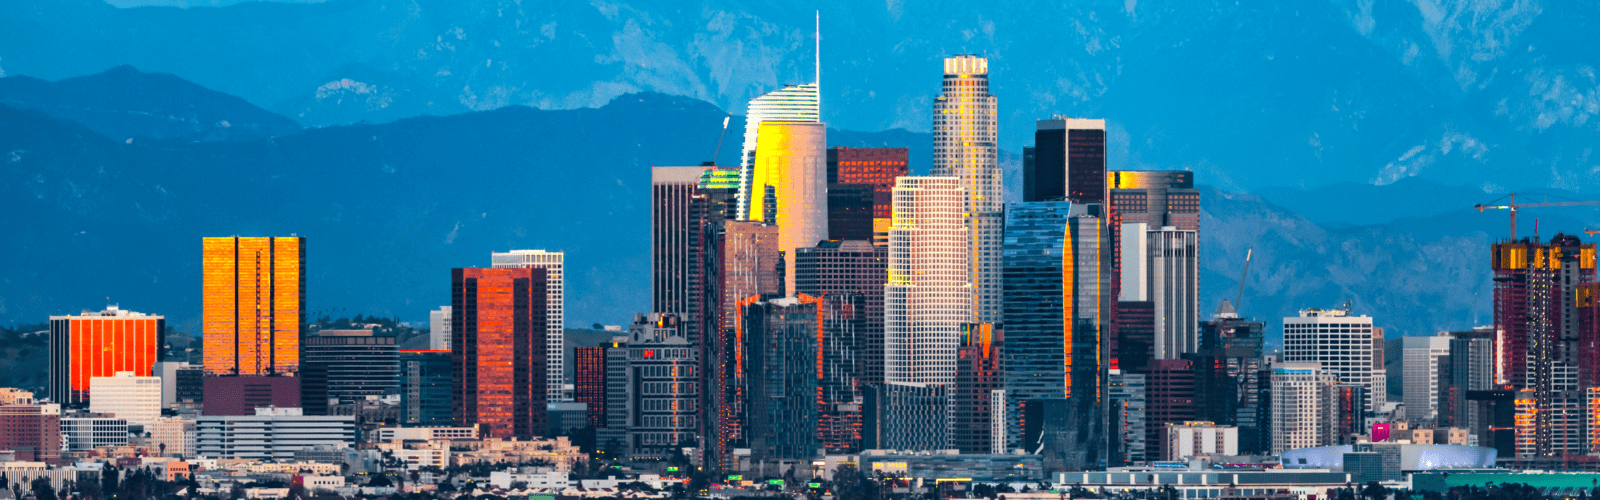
[
  {"x": 108, "y": 480},
  {"x": 42, "y": 489}
]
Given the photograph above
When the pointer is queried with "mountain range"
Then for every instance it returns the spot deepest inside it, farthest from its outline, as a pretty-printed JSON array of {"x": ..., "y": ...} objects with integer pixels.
[{"x": 1494, "y": 95}]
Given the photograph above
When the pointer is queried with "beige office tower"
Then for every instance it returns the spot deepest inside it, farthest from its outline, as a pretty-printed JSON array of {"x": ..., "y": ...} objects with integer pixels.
[
  {"x": 552, "y": 263},
  {"x": 790, "y": 187},
  {"x": 928, "y": 296},
  {"x": 964, "y": 146}
]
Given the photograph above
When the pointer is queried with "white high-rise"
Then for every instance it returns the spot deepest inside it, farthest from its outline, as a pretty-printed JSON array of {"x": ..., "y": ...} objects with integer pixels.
[
  {"x": 1421, "y": 381},
  {"x": 128, "y": 397},
  {"x": 552, "y": 263},
  {"x": 791, "y": 187},
  {"x": 792, "y": 103},
  {"x": 965, "y": 134},
  {"x": 1172, "y": 266},
  {"x": 1340, "y": 343},
  {"x": 929, "y": 294},
  {"x": 439, "y": 329},
  {"x": 1299, "y": 406}
]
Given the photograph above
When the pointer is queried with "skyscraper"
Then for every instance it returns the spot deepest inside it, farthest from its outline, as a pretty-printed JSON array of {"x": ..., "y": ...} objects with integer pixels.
[
  {"x": 781, "y": 361},
  {"x": 877, "y": 167},
  {"x": 1422, "y": 360},
  {"x": 439, "y": 329},
  {"x": 254, "y": 303},
  {"x": 347, "y": 366},
  {"x": 1300, "y": 393},
  {"x": 836, "y": 267},
  {"x": 1232, "y": 395},
  {"x": 928, "y": 295},
  {"x": 1169, "y": 399},
  {"x": 790, "y": 186},
  {"x": 1068, "y": 161},
  {"x": 1172, "y": 270},
  {"x": 979, "y": 390},
  {"x": 844, "y": 318},
  {"x": 498, "y": 345},
  {"x": 792, "y": 103},
  {"x": 652, "y": 388},
  {"x": 1339, "y": 343},
  {"x": 674, "y": 236},
  {"x": 555, "y": 345},
  {"x": 1142, "y": 201},
  {"x": 1468, "y": 367},
  {"x": 748, "y": 269},
  {"x": 101, "y": 344},
  {"x": 850, "y": 212},
  {"x": 425, "y": 388},
  {"x": 589, "y": 382},
  {"x": 965, "y": 132}
]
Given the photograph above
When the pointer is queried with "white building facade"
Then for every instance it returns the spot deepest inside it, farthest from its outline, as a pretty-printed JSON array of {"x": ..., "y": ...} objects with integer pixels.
[
  {"x": 1299, "y": 406},
  {"x": 928, "y": 296},
  {"x": 173, "y": 437},
  {"x": 965, "y": 138},
  {"x": 555, "y": 345},
  {"x": 1341, "y": 344},
  {"x": 89, "y": 432},
  {"x": 792, "y": 103},
  {"x": 272, "y": 433},
  {"x": 128, "y": 397},
  {"x": 439, "y": 329},
  {"x": 1421, "y": 364}
]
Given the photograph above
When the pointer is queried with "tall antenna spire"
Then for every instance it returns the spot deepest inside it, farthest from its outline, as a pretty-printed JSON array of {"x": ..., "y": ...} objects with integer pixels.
[{"x": 819, "y": 52}]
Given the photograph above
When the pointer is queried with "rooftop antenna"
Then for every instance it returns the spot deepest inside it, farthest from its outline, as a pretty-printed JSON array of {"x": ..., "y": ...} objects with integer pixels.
[{"x": 818, "y": 65}]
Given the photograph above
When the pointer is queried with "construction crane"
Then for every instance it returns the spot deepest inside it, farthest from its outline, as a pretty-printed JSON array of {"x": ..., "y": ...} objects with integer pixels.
[
  {"x": 1238, "y": 299},
  {"x": 1513, "y": 206}
]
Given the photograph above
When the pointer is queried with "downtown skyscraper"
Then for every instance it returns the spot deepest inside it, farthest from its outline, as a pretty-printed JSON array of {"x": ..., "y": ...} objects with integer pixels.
[
  {"x": 498, "y": 349},
  {"x": 790, "y": 187},
  {"x": 928, "y": 294},
  {"x": 555, "y": 352},
  {"x": 790, "y": 104},
  {"x": 965, "y": 134},
  {"x": 254, "y": 302}
]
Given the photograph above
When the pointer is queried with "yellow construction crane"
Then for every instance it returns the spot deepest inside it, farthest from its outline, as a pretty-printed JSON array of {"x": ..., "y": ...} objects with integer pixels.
[{"x": 1513, "y": 206}]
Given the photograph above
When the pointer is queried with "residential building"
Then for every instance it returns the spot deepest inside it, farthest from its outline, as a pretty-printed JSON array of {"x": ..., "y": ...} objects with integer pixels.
[
  {"x": 182, "y": 387},
  {"x": 1300, "y": 394},
  {"x": 790, "y": 186},
  {"x": 242, "y": 395},
  {"x": 126, "y": 396},
  {"x": 1192, "y": 439},
  {"x": 345, "y": 366},
  {"x": 927, "y": 297},
  {"x": 978, "y": 391},
  {"x": 836, "y": 267},
  {"x": 792, "y": 103},
  {"x": 781, "y": 359},
  {"x": 1068, "y": 161},
  {"x": 100, "y": 344},
  {"x": 91, "y": 431},
  {"x": 902, "y": 416},
  {"x": 425, "y": 388},
  {"x": 31, "y": 431},
  {"x": 254, "y": 303},
  {"x": 1341, "y": 344},
  {"x": 1422, "y": 357},
  {"x": 271, "y": 433},
  {"x": 1545, "y": 320},
  {"x": 589, "y": 382},
  {"x": 439, "y": 329},
  {"x": 965, "y": 146},
  {"x": 555, "y": 312},
  {"x": 498, "y": 350}
]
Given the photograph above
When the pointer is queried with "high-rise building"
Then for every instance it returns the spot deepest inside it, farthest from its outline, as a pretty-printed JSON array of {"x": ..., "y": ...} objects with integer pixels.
[
  {"x": 908, "y": 417},
  {"x": 748, "y": 269},
  {"x": 1068, "y": 161},
  {"x": 835, "y": 267},
  {"x": 927, "y": 297},
  {"x": 346, "y": 366},
  {"x": 498, "y": 347},
  {"x": 589, "y": 382},
  {"x": 965, "y": 132},
  {"x": 181, "y": 386},
  {"x": 850, "y": 212},
  {"x": 1169, "y": 400},
  {"x": 127, "y": 396},
  {"x": 675, "y": 237},
  {"x": 100, "y": 344},
  {"x": 790, "y": 186},
  {"x": 652, "y": 389},
  {"x": 1154, "y": 200},
  {"x": 781, "y": 361},
  {"x": 877, "y": 167},
  {"x": 439, "y": 329},
  {"x": 1467, "y": 368},
  {"x": 33, "y": 431},
  {"x": 1171, "y": 265},
  {"x": 1300, "y": 394},
  {"x": 555, "y": 345},
  {"x": 1339, "y": 343},
  {"x": 844, "y": 319},
  {"x": 1051, "y": 298},
  {"x": 792, "y": 103},
  {"x": 254, "y": 303},
  {"x": 425, "y": 388},
  {"x": 1422, "y": 356},
  {"x": 1233, "y": 388},
  {"x": 1127, "y": 421},
  {"x": 979, "y": 389}
]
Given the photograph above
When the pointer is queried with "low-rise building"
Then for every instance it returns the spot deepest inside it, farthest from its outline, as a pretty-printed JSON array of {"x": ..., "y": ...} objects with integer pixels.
[
  {"x": 173, "y": 437},
  {"x": 426, "y": 433},
  {"x": 559, "y": 452},
  {"x": 275, "y": 433},
  {"x": 420, "y": 457},
  {"x": 90, "y": 431},
  {"x": 949, "y": 464},
  {"x": 1191, "y": 439},
  {"x": 318, "y": 482},
  {"x": 531, "y": 477}
]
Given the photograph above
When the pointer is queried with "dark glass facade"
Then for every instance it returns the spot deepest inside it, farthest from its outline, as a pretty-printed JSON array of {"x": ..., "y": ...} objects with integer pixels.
[
  {"x": 909, "y": 417},
  {"x": 1066, "y": 163},
  {"x": 1156, "y": 198},
  {"x": 834, "y": 267},
  {"x": 1228, "y": 380},
  {"x": 241, "y": 395},
  {"x": 425, "y": 391},
  {"x": 1169, "y": 399},
  {"x": 979, "y": 374},
  {"x": 589, "y": 382},
  {"x": 844, "y": 322},
  {"x": 346, "y": 366},
  {"x": 498, "y": 351},
  {"x": 876, "y": 166},
  {"x": 780, "y": 339},
  {"x": 850, "y": 212}
]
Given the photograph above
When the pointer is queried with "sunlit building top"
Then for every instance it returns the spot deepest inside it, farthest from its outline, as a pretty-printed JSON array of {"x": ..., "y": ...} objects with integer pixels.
[{"x": 792, "y": 103}]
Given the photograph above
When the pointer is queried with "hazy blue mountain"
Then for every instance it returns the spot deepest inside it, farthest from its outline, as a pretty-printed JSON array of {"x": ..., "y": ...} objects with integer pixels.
[
  {"x": 123, "y": 103},
  {"x": 1249, "y": 95}
]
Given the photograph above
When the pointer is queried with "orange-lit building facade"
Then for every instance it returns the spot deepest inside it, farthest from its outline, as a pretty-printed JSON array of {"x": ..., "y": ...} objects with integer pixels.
[
  {"x": 877, "y": 167},
  {"x": 100, "y": 344},
  {"x": 254, "y": 302},
  {"x": 498, "y": 329},
  {"x": 589, "y": 382}
]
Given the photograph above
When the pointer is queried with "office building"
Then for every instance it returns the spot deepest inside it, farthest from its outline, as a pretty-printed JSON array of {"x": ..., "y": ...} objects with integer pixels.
[
  {"x": 684, "y": 221},
  {"x": 1300, "y": 404},
  {"x": 555, "y": 311},
  {"x": 850, "y": 212},
  {"x": 425, "y": 388},
  {"x": 126, "y": 396},
  {"x": 927, "y": 297},
  {"x": 92, "y": 431},
  {"x": 498, "y": 348},
  {"x": 790, "y": 186},
  {"x": 100, "y": 344},
  {"x": 1197, "y": 439},
  {"x": 32, "y": 431},
  {"x": 909, "y": 417},
  {"x": 1154, "y": 199},
  {"x": 792, "y": 103},
  {"x": 965, "y": 131},
  {"x": 1127, "y": 421},
  {"x": 181, "y": 385},
  {"x": 439, "y": 329},
  {"x": 427, "y": 433},
  {"x": 749, "y": 267},
  {"x": 589, "y": 383},
  {"x": 835, "y": 267},
  {"x": 652, "y": 389},
  {"x": 1171, "y": 266},
  {"x": 1230, "y": 385},
  {"x": 877, "y": 167},
  {"x": 781, "y": 363},
  {"x": 173, "y": 437},
  {"x": 978, "y": 391},
  {"x": 254, "y": 303},
  {"x": 242, "y": 395},
  {"x": 1422, "y": 356},
  {"x": 1468, "y": 367},
  {"x": 345, "y": 366},
  {"x": 270, "y": 434},
  {"x": 1068, "y": 161},
  {"x": 1169, "y": 400},
  {"x": 1340, "y": 344},
  {"x": 844, "y": 319}
]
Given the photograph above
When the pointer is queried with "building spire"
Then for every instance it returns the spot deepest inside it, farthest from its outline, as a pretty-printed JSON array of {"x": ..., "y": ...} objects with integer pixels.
[{"x": 818, "y": 68}]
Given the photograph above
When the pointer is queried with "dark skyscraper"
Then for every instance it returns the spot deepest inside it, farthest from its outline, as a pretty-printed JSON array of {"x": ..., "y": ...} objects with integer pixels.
[
  {"x": 346, "y": 365},
  {"x": 850, "y": 267},
  {"x": 979, "y": 375},
  {"x": 1228, "y": 380},
  {"x": 425, "y": 388},
  {"x": 1143, "y": 201},
  {"x": 844, "y": 321},
  {"x": 589, "y": 382},
  {"x": 850, "y": 212},
  {"x": 1169, "y": 399},
  {"x": 1068, "y": 161},
  {"x": 678, "y": 222},
  {"x": 875, "y": 166},
  {"x": 498, "y": 349},
  {"x": 780, "y": 409}
]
